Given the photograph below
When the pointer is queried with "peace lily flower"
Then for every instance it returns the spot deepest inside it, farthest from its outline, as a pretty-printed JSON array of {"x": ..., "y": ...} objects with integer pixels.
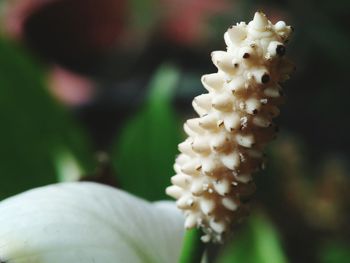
[
  {"x": 87, "y": 222},
  {"x": 226, "y": 142}
]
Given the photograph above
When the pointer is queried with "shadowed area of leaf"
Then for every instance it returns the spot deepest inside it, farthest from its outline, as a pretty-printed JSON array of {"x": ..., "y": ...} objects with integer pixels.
[
  {"x": 143, "y": 155},
  {"x": 34, "y": 128}
]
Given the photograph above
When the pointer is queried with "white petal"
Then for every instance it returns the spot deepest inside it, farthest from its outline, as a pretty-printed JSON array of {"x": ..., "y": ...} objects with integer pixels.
[{"x": 87, "y": 222}]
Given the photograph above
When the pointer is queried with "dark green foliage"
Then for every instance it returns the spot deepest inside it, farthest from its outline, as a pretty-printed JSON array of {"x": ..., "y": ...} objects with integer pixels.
[
  {"x": 145, "y": 150},
  {"x": 258, "y": 242},
  {"x": 335, "y": 252},
  {"x": 33, "y": 126}
]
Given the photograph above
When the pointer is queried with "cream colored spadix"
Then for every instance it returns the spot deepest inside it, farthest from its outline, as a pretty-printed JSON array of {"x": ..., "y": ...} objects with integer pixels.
[
  {"x": 88, "y": 222},
  {"x": 225, "y": 143}
]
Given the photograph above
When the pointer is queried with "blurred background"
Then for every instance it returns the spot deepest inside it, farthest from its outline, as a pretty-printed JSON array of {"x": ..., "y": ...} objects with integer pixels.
[{"x": 98, "y": 90}]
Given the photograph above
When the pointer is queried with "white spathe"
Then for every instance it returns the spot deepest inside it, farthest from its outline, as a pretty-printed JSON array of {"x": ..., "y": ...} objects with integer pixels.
[{"x": 88, "y": 222}]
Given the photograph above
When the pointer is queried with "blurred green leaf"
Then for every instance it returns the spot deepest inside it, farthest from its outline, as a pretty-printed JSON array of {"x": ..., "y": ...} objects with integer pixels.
[
  {"x": 144, "y": 153},
  {"x": 335, "y": 252},
  {"x": 34, "y": 127},
  {"x": 144, "y": 13},
  {"x": 257, "y": 243}
]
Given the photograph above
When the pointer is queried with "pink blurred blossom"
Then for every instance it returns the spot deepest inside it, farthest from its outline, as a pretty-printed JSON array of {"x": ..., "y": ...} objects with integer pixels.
[
  {"x": 185, "y": 20},
  {"x": 17, "y": 11},
  {"x": 70, "y": 88},
  {"x": 96, "y": 24}
]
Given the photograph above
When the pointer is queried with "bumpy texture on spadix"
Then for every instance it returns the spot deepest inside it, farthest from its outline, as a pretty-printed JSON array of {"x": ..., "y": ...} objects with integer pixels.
[{"x": 225, "y": 144}]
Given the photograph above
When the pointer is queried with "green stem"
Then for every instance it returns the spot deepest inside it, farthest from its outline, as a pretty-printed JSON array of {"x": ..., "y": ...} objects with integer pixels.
[{"x": 193, "y": 248}]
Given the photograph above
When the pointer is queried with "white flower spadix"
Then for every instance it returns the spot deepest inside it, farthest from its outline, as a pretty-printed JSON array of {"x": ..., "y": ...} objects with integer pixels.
[
  {"x": 87, "y": 222},
  {"x": 225, "y": 143}
]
